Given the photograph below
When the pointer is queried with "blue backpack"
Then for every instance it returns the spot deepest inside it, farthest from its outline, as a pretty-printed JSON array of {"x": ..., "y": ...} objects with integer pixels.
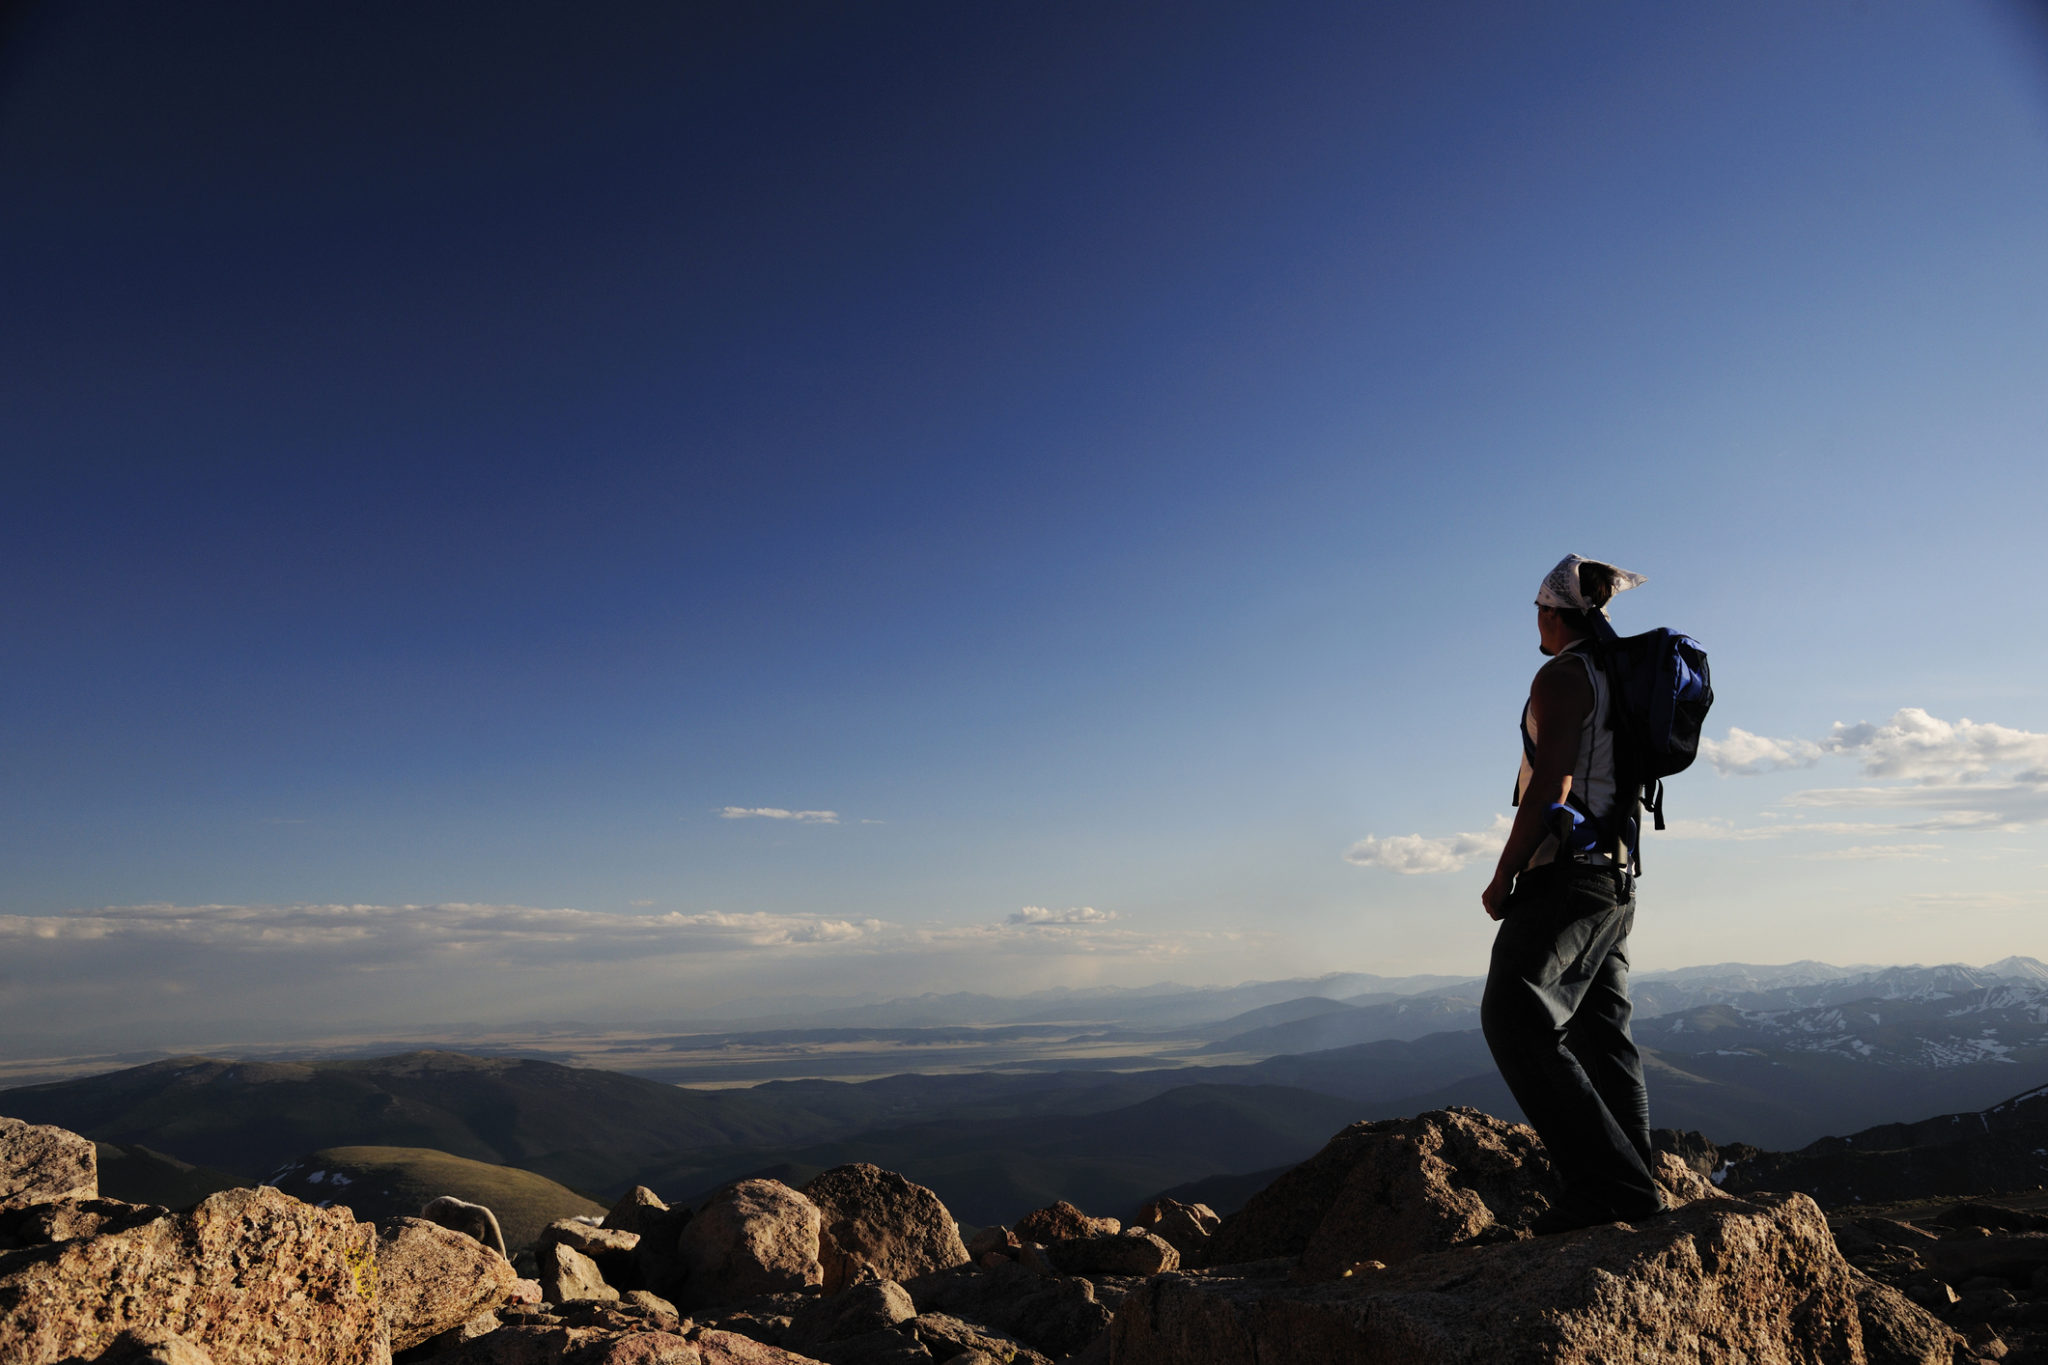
[{"x": 1661, "y": 689}]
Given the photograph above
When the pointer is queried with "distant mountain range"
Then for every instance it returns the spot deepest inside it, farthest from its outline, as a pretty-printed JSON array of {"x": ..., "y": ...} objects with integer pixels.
[
  {"x": 1775, "y": 1058},
  {"x": 1753, "y": 994}
]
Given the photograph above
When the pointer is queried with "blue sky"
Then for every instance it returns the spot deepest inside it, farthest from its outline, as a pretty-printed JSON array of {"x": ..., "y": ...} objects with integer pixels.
[{"x": 1102, "y": 455}]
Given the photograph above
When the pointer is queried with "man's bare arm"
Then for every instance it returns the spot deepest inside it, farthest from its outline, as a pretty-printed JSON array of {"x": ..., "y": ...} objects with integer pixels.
[{"x": 1559, "y": 701}]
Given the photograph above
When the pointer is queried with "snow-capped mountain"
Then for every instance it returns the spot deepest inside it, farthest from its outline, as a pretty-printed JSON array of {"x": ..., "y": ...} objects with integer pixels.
[
  {"x": 1938, "y": 1020},
  {"x": 1814, "y": 985}
]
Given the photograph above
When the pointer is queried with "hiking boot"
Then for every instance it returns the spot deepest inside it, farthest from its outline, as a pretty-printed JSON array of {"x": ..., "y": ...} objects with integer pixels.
[{"x": 1569, "y": 1214}]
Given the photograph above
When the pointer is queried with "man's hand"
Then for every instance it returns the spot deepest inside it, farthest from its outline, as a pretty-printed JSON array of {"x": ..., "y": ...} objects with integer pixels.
[{"x": 1495, "y": 896}]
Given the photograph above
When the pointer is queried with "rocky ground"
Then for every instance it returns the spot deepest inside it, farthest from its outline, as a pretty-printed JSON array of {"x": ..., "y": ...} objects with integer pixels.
[
  {"x": 1981, "y": 1268},
  {"x": 1404, "y": 1240}
]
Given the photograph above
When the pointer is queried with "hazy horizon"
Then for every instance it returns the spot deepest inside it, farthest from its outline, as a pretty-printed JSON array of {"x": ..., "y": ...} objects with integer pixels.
[{"x": 506, "y": 1029}]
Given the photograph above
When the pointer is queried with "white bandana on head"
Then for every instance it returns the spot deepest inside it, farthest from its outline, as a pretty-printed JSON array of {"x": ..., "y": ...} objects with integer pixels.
[{"x": 1561, "y": 585}]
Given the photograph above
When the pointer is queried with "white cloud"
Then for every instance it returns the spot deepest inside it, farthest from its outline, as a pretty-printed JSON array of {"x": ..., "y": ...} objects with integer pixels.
[
  {"x": 1085, "y": 914},
  {"x": 1917, "y": 747},
  {"x": 1745, "y": 754},
  {"x": 802, "y": 817},
  {"x": 1967, "y": 775},
  {"x": 1415, "y": 854},
  {"x": 377, "y": 932},
  {"x": 1912, "y": 746}
]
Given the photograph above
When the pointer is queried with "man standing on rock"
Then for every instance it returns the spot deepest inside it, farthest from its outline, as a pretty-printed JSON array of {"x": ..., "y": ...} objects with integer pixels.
[{"x": 1556, "y": 1010}]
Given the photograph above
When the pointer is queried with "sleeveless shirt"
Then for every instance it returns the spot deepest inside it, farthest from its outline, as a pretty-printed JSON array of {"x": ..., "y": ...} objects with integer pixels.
[{"x": 1593, "y": 781}]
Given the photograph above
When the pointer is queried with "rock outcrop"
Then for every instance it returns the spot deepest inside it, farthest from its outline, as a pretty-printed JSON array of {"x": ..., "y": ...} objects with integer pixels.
[
  {"x": 1720, "y": 1280},
  {"x": 1392, "y": 1189},
  {"x": 253, "y": 1276},
  {"x": 878, "y": 1225},
  {"x": 40, "y": 1164}
]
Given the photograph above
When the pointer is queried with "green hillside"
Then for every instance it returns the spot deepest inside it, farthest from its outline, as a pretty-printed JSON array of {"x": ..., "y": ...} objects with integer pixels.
[
  {"x": 585, "y": 1127},
  {"x": 383, "y": 1182}
]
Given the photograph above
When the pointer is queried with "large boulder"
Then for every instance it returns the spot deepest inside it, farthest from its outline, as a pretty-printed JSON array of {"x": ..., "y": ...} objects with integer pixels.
[
  {"x": 1717, "y": 1281},
  {"x": 40, "y": 1164},
  {"x": 878, "y": 1225},
  {"x": 434, "y": 1279},
  {"x": 1058, "y": 1221},
  {"x": 755, "y": 1237},
  {"x": 253, "y": 1277},
  {"x": 1136, "y": 1252},
  {"x": 1391, "y": 1189}
]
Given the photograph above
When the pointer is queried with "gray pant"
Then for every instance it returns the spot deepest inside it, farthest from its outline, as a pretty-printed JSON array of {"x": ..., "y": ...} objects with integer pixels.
[{"x": 1556, "y": 1016}]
